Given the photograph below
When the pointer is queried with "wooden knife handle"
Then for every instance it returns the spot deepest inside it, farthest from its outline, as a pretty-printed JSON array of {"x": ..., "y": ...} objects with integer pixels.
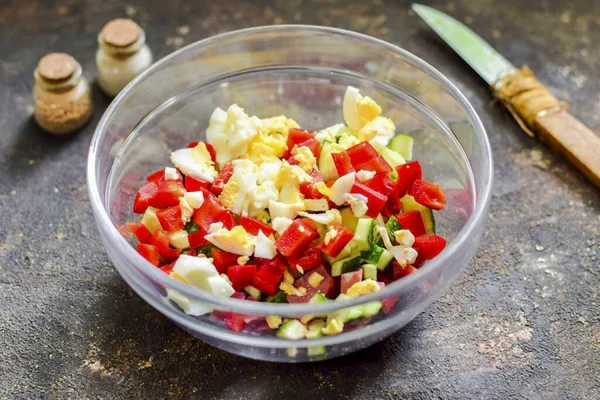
[{"x": 566, "y": 134}]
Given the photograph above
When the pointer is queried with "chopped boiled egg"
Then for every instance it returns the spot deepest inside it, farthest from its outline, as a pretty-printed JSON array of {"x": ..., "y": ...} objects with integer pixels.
[
  {"x": 278, "y": 209},
  {"x": 186, "y": 210},
  {"x": 236, "y": 240},
  {"x": 260, "y": 152},
  {"x": 178, "y": 239},
  {"x": 280, "y": 224},
  {"x": 378, "y": 132},
  {"x": 189, "y": 306},
  {"x": 231, "y": 132},
  {"x": 341, "y": 187},
  {"x": 364, "y": 176},
  {"x": 404, "y": 237},
  {"x": 274, "y": 321},
  {"x": 194, "y": 199},
  {"x": 171, "y": 174},
  {"x": 215, "y": 226},
  {"x": 265, "y": 247},
  {"x": 358, "y": 110},
  {"x": 363, "y": 287},
  {"x": 328, "y": 217},
  {"x": 385, "y": 237},
  {"x": 334, "y": 326},
  {"x": 316, "y": 205},
  {"x": 404, "y": 255},
  {"x": 358, "y": 203},
  {"x": 201, "y": 273},
  {"x": 306, "y": 159},
  {"x": 150, "y": 220},
  {"x": 323, "y": 189},
  {"x": 195, "y": 161}
]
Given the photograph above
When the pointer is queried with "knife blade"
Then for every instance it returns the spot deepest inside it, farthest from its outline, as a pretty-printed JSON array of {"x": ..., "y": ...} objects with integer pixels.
[{"x": 536, "y": 110}]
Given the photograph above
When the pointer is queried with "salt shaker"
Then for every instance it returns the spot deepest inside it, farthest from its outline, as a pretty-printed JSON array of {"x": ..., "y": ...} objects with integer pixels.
[
  {"x": 61, "y": 94},
  {"x": 122, "y": 54}
]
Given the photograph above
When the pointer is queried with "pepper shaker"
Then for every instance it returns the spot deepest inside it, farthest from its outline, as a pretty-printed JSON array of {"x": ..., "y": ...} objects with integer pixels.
[
  {"x": 61, "y": 94},
  {"x": 122, "y": 54}
]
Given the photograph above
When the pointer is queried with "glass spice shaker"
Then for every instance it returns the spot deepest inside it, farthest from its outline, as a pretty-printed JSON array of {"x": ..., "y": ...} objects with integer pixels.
[
  {"x": 61, "y": 94},
  {"x": 122, "y": 54}
]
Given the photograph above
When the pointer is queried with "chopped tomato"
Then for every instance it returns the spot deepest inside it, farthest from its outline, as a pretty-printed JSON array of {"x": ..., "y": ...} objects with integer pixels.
[
  {"x": 388, "y": 303},
  {"x": 348, "y": 279},
  {"x": 149, "y": 252},
  {"x": 167, "y": 269},
  {"x": 161, "y": 241},
  {"x": 428, "y": 246},
  {"x": 140, "y": 231},
  {"x": 156, "y": 176},
  {"x": 313, "y": 144},
  {"x": 223, "y": 259},
  {"x": 327, "y": 286},
  {"x": 335, "y": 244},
  {"x": 222, "y": 178},
  {"x": 413, "y": 221},
  {"x": 269, "y": 275},
  {"x": 295, "y": 137},
  {"x": 193, "y": 184},
  {"x": 342, "y": 162},
  {"x": 310, "y": 259},
  {"x": 168, "y": 194},
  {"x": 145, "y": 197},
  {"x": 196, "y": 239},
  {"x": 253, "y": 226},
  {"x": 375, "y": 200},
  {"x": 296, "y": 238},
  {"x": 428, "y": 194},
  {"x": 361, "y": 153},
  {"x": 377, "y": 164},
  {"x": 401, "y": 272},
  {"x": 241, "y": 275},
  {"x": 170, "y": 218},
  {"x": 210, "y": 212},
  {"x": 308, "y": 188}
]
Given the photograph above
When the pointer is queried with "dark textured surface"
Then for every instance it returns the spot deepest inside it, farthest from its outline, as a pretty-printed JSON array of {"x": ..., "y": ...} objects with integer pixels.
[{"x": 523, "y": 322}]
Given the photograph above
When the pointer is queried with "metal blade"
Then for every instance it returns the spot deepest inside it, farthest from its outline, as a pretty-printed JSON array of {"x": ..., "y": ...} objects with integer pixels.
[{"x": 482, "y": 57}]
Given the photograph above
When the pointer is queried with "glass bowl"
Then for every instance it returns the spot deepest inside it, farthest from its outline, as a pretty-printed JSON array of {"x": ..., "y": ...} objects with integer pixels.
[{"x": 301, "y": 72}]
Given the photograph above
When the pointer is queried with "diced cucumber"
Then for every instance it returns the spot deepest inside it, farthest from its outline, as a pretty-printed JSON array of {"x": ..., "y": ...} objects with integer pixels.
[
  {"x": 314, "y": 331},
  {"x": 316, "y": 350},
  {"x": 369, "y": 271},
  {"x": 385, "y": 260},
  {"x": 325, "y": 162},
  {"x": 392, "y": 225},
  {"x": 409, "y": 204},
  {"x": 280, "y": 297},
  {"x": 206, "y": 250},
  {"x": 345, "y": 265},
  {"x": 348, "y": 218},
  {"x": 363, "y": 235},
  {"x": 292, "y": 329},
  {"x": 371, "y": 309},
  {"x": 393, "y": 158},
  {"x": 254, "y": 292},
  {"x": 191, "y": 227},
  {"x": 378, "y": 256},
  {"x": 403, "y": 145},
  {"x": 347, "y": 314},
  {"x": 318, "y": 298}
]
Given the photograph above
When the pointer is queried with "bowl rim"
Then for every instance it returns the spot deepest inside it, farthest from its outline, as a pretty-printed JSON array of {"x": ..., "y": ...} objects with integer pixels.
[{"x": 120, "y": 244}]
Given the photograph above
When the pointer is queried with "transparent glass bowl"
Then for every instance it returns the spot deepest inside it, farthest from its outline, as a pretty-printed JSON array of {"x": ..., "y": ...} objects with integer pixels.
[{"x": 301, "y": 72}]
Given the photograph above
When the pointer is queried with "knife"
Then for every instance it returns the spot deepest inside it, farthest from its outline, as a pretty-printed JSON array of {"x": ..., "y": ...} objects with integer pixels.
[{"x": 537, "y": 111}]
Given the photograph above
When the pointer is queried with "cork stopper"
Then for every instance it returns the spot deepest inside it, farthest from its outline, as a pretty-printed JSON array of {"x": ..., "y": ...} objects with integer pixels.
[
  {"x": 57, "y": 67},
  {"x": 121, "y": 32}
]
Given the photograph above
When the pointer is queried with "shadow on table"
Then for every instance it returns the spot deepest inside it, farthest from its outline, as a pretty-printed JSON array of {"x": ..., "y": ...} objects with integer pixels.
[{"x": 143, "y": 353}]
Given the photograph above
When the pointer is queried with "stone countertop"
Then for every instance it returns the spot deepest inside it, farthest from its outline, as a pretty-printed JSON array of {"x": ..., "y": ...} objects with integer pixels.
[{"x": 522, "y": 322}]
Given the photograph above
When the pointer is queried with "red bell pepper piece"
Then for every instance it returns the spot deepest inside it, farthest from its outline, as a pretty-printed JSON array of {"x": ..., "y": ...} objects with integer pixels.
[
  {"x": 253, "y": 226},
  {"x": 193, "y": 144},
  {"x": 145, "y": 197},
  {"x": 377, "y": 164},
  {"x": 428, "y": 194},
  {"x": 375, "y": 200},
  {"x": 381, "y": 183},
  {"x": 222, "y": 178},
  {"x": 161, "y": 241},
  {"x": 296, "y": 238},
  {"x": 211, "y": 211},
  {"x": 338, "y": 242},
  {"x": 168, "y": 194},
  {"x": 342, "y": 162},
  {"x": 149, "y": 252},
  {"x": 170, "y": 218},
  {"x": 167, "y": 269},
  {"x": 295, "y": 137},
  {"x": 139, "y": 230},
  {"x": 361, "y": 153},
  {"x": 241, "y": 275},
  {"x": 196, "y": 239},
  {"x": 308, "y": 188},
  {"x": 156, "y": 176},
  {"x": 413, "y": 221},
  {"x": 223, "y": 259},
  {"x": 313, "y": 144},
  {"x": 401, "y": 272},
  {"x": 310, "y": 259},
  {"x": 193, "y": 184},
  {"x": 428, "y": 246},
  {"x": 211, "y": 151},
  {"x": 269, "y": 275},
  {"x": 350, "y": 278},
  {"x": 407, "y": 174}
]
